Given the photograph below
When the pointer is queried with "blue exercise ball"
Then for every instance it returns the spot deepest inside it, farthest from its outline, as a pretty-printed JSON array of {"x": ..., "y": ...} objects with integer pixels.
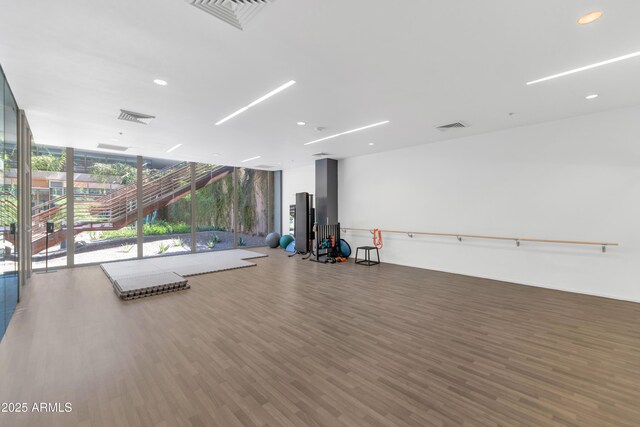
[
  {"x": 345, "y": 248},
  {"x": 273, "y": 240},
  {"x": 285, "y": 240},
  {"x": 291, "y": 247}
]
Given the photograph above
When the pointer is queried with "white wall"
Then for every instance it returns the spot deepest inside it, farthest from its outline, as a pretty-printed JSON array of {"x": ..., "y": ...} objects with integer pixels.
[
  {"x": 575, "y": 179},
  {"x": 298, "y": 180}
]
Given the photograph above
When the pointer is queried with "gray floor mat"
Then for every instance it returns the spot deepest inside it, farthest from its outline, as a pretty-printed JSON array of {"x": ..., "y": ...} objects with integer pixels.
[{"x": 153, "y": 276}]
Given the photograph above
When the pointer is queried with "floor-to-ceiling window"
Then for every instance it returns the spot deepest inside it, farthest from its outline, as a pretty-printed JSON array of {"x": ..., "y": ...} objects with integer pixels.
[
  {"x": 214, "y": 207},
  {"x": 8, "y": 204},
  {"x": 167, "y": 207},
  {"x": 48, "y": 204},
  {"x": 255, "y": 206},
  {"x": 228, "y": 207},
  {"x": 105, "y": 207}
]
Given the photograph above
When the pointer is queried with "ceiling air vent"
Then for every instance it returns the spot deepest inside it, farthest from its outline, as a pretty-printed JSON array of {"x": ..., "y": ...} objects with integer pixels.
[
  {"x": 234, "y": 12},
  {"x": 112, "y": 147},
  {"x": 456, "y": 125},
  {"x": 263, "y": 167},
  {"x": 320, "y": 154},
  {"x": 130, "y": 116}
]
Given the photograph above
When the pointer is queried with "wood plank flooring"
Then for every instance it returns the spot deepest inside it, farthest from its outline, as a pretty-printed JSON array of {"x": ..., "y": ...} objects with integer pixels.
[{"x": 295, "y": 343}]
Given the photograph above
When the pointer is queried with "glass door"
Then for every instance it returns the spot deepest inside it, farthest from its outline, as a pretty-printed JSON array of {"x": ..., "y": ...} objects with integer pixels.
[{"x": 8, "y": 205}]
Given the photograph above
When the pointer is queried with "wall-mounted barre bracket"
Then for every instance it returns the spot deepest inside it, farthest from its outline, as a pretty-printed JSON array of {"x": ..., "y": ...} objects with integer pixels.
[
  {"x": 604, "y": 249},
  {"x": 459, "y": 238},
  {"x": 517, "y": 243},
  {"x": 410, "y": 235}
]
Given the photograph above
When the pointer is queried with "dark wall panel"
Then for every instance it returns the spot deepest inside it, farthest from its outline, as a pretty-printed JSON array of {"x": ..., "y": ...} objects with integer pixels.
[{"x": 327, "y": 191}]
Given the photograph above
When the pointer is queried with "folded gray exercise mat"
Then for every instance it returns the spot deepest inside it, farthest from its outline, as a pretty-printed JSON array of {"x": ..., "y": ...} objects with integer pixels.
[
  {"x": 141, "y": 293},
  {"x": 147, "y": 285},
  {"x": 146, "y": 277}
]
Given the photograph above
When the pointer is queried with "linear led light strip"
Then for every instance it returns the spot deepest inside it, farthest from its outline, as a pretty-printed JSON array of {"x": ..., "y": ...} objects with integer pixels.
[
  {"x": 588, "y": 67},
  {"x": 347, "y": 132},
  {"x": 249, "y": 159},
  {"x": 257, "y": 101},
  {"x": 175, "y": 147}
]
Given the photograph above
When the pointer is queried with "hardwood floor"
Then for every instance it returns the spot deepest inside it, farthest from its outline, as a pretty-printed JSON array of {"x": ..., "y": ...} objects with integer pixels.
[{"x": 295, "y": 343}]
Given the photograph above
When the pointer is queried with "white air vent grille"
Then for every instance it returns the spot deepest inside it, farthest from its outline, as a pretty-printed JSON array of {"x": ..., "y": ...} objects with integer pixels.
[
  {"x": 456, "y": 125},
  {"x": 112, "y": 147},
  {"x": 263, "y": 167},
  {"x": 131, "y": 116},
  {"x": 320, "y": 154},
  {"x": 234, "y": 12}
]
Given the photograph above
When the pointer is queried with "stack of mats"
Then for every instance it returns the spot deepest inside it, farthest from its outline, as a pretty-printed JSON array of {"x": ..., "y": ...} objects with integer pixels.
[
  {"x": 153, "y": 276},
  {"x": 154, "y": 284}
]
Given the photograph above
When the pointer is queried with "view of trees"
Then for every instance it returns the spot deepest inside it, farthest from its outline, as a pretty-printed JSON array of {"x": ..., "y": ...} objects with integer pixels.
[
  {"x": 215, "y": 201},
  {"x": 49, "y": 162},
  {"x": 127, "y": 174}
]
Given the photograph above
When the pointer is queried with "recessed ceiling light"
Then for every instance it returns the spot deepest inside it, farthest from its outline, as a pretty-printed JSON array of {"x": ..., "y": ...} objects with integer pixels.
[
  {"x": 160, "y": 82},
  {"x": 371, "y": 143},
  {"x": 257, "y": 101},
  {"x": 347, "y": 132},
  {"x": 216, "y": 154},
  {"x": 251, "y": 158},
  {"x": 595, "y": 95},
  {"x": 301, "y": 123},
  {"x": 587, "y": 67},
  {"x": 175, "y": 147},
  {"x": 590, "y": 17}
]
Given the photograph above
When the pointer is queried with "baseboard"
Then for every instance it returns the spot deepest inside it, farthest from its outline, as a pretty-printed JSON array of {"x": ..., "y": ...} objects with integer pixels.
[
  {"x": 552, "y": 288},
  {"x": 533, "y": 285}
]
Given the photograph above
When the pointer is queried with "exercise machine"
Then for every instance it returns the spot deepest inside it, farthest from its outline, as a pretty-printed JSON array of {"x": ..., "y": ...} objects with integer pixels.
[
  {"x": 327, "y": 244},
  {"x": 303, "y": 225}
]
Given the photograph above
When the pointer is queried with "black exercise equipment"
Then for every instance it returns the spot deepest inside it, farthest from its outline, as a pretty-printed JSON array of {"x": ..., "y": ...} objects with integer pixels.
[
  {"x": 367, "y": 255},
  {"x": 327, "y": 243},
  {"x": 304, "y": 219}
]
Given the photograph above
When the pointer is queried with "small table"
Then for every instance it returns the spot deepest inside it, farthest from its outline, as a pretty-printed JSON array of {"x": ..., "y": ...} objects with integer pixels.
[{"x": 367, "y": 255}]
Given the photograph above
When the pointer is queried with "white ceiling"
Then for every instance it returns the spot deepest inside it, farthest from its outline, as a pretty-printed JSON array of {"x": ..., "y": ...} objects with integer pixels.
[{"x": 418, "y": 63}]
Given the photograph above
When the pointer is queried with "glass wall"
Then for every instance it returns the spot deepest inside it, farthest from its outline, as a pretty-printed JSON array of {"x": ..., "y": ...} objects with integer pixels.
[
  {"x": 8, "y": 204},
  {"x": 48, "y": 204},
  {"x": 105, "y": 207},
  {"x": 167, "y": 207},
  {"x": 214, "y": 207},
  {"x": 255, "y": 206},
  {"x": 229, "y": 207}
]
